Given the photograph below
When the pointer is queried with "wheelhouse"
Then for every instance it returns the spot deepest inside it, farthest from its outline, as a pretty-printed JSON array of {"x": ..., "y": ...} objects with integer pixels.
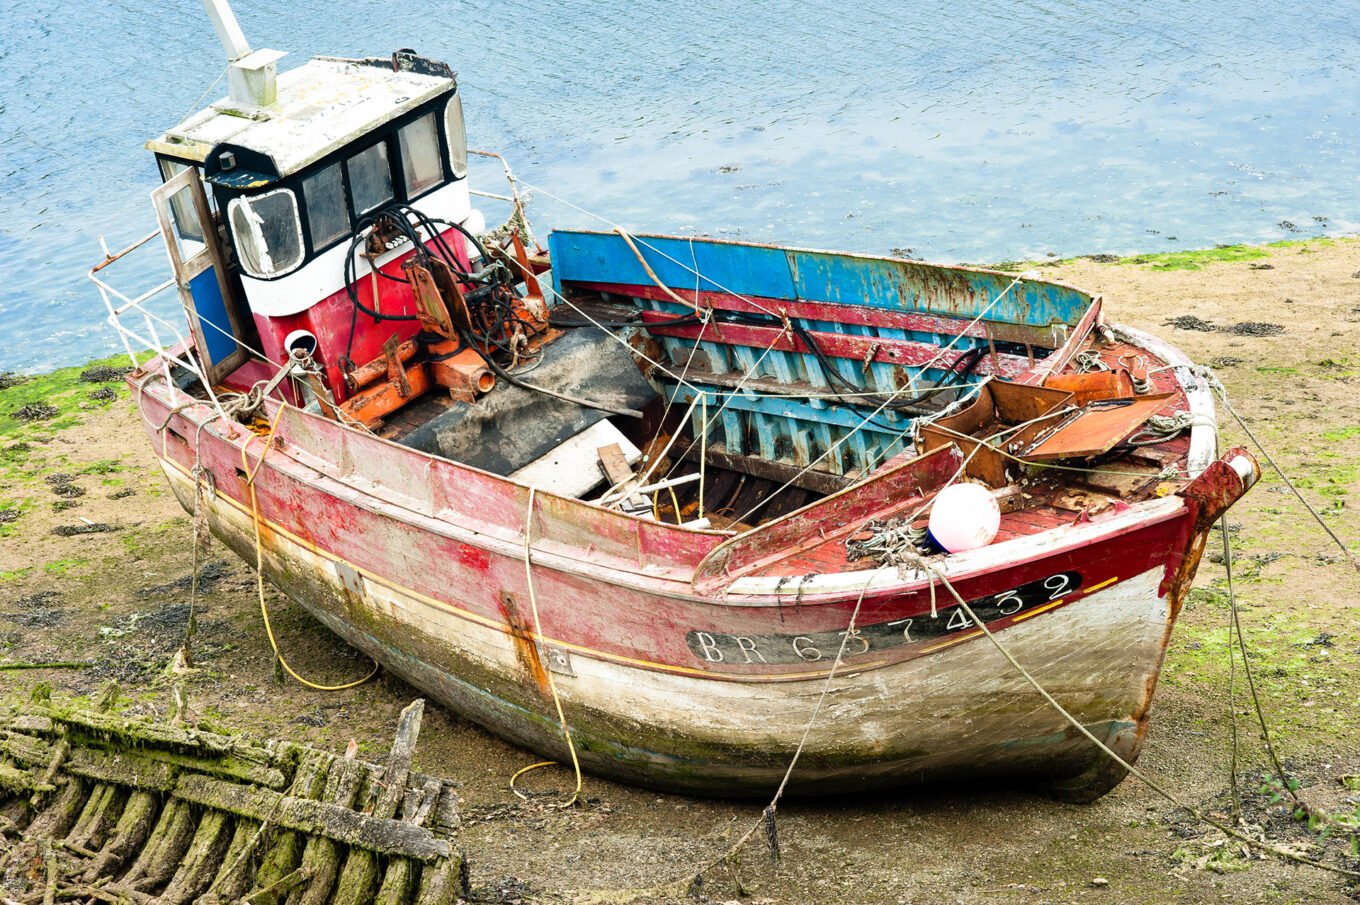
[{"x": 292, "y": 187}]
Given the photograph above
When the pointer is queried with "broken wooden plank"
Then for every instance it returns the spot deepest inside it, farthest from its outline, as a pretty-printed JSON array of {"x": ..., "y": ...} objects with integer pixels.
[{"x": 389, "y": 837}]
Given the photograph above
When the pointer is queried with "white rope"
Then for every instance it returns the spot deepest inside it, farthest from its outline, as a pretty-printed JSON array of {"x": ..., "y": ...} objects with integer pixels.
[
  {"x": 1109, "y": 752},
  {"x": 699, "y": 277},
  {"x": 1217, "y": 386},
  {"x": 886, "y": 402}
]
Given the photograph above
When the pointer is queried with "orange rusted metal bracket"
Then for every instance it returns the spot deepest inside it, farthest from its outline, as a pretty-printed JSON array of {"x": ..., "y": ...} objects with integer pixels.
[
  {"x": 452, "y": 293},
  {"x": 462, "y": 371},
  {"x": 431, "y": 307},
  {"x": 376, "y": 369},
  {"x": 531, "y": 285},
  {"x": 396, "y": 374},
  {"x": 371, "y": 404},
  {"x": 1094, "y": 385}
]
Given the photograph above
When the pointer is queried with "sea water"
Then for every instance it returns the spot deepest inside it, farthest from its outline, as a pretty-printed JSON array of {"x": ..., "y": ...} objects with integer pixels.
[{"x": 963, "y": 131}]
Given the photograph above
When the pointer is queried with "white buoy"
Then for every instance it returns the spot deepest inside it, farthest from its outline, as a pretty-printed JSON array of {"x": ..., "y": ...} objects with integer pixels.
[{"x": 964, "y": 517}]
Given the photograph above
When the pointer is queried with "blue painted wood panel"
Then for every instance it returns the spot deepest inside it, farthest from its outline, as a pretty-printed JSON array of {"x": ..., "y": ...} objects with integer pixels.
[{"x": 762, "y": 270}]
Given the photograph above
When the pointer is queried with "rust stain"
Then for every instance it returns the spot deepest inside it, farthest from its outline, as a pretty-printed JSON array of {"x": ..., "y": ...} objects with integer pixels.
[{"x": 522, "y": 637}]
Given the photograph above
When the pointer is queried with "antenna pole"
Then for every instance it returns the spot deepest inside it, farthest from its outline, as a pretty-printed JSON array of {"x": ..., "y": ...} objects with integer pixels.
[{"x": 228, "y": 29}]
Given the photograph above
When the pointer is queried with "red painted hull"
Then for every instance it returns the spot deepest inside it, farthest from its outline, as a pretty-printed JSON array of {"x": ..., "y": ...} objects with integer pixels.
[{"x": 419, "y": 561}]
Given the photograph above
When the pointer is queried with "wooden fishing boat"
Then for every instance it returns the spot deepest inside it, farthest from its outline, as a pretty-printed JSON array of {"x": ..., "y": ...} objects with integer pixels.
[{"x": 669, "y": 482}]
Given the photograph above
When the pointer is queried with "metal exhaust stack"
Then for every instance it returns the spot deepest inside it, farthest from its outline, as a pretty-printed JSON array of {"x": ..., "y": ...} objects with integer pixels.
[{"x": 252, "y": 75}]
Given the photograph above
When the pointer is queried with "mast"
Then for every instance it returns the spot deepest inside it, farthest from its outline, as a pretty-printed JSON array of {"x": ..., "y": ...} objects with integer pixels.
[{"x": 252, "y": 75}]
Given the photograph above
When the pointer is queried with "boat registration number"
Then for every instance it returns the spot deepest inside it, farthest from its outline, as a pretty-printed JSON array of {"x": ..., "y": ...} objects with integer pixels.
[{"x": 719, "y": 647}]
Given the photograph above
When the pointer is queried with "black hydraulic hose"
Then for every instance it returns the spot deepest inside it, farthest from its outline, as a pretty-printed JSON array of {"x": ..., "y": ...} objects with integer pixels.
[{"x": 398, "y": 217}]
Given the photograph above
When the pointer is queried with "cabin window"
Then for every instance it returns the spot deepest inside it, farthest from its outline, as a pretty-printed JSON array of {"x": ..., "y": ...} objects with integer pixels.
[
  {"x": 327, "y": 215},
  {"x": 420, "y": 163},
  {"x": 182, "y": 203},
  {"x": 370, "y": 178},
  {"x": 457, "y": 134},
  {"x": 267, "y": 232}
]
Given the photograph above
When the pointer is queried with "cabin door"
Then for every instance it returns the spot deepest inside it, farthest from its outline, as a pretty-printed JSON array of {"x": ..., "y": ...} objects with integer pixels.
[{"x": 216, "y": 320}]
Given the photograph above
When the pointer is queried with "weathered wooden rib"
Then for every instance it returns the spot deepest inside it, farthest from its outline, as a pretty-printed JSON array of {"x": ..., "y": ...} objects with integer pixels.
[{"x": 145, "y": 812}]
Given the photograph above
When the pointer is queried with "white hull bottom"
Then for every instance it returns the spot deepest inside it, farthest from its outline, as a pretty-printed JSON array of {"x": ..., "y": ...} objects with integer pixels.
[{"x": 959, "y": 711}]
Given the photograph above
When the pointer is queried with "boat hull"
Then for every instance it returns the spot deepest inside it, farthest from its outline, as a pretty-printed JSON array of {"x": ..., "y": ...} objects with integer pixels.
[{"x": 958, "y": 711}]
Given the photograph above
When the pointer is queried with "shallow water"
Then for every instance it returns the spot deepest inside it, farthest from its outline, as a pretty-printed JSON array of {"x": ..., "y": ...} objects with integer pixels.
[{"x": 970, "y": 131}]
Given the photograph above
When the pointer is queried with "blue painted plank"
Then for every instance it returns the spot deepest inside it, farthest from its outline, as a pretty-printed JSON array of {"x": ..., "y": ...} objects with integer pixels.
[
  {"x": 588, "y": 257},
  {"x": 759, "y": 270}
]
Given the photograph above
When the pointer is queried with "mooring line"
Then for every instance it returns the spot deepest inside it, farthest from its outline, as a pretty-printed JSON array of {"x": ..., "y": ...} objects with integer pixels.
[
  {"x": 552, "y": 685},
  {"x": 259, "y": 557},
  {"x": 1195, "y": 812},
  {"x": 1217, "y": 386}
]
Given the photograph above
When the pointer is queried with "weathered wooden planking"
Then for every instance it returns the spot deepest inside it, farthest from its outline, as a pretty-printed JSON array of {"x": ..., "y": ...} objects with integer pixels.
[
  {"x": 1097, "y": 428},
  {"x": 386, "y": 836},
  {"x": 428, "y": 604},
  {"x": 772, "y": 272},
  {"x": 849, "y": 314},
  {"x": 902, "y": 352},
  {"x": 880, "y": 497}
]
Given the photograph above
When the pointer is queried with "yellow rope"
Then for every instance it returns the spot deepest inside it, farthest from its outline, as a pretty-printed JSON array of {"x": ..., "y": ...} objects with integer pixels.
[
  {"x": 521, "y": 772},
  {"x": 676, "y": 503},
  {"x": 552, "y": 685},
  {"x": 259, "y": 559},
  {"x": 623, "y": 234}
]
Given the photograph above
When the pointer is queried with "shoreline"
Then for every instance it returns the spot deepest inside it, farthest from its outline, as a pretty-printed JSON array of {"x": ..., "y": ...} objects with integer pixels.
[{"x": 1187, "y": 259}]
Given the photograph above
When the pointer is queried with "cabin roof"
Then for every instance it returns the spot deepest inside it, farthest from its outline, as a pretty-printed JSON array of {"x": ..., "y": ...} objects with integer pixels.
[{"x": 322, "y": 105}]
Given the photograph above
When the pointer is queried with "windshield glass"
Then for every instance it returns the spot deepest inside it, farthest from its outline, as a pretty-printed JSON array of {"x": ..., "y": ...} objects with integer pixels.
[
  {"x": 267, "y": 232},
  {"x": 453, "y": 124}
]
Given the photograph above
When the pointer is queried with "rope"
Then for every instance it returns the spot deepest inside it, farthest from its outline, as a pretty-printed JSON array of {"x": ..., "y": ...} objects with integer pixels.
[
  {"x": 767, "y": 816},
  {"x": 730, "y": 394},
  {"x": 623, "y": 234},
  {"x": 1161, "y": 428},
  {"x": 199, "y": 520},
  {"x": 1195, "y": 812},
  {"x": 1222, "y": 392},
  {"x": 1168, "y": 472},
  {"x": 694, "y": 270},
  {"x": 1236, "y": 628},
  {"x": 1232, "y": 676},
  {"x": 194, "y": 107},
  {"x": 552, "y": 685},
  {"x": 259, "y": 558},
  {"x": 883, "y": 405}
]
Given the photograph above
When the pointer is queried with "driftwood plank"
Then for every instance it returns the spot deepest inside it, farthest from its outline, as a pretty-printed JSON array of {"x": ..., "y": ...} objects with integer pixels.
[
  {"x": 129, "y": 770},
  {"x": 322, "y": 855},
  {"x": 25, "y": 749},
  {"x": 101, "y": 811},
  {"x": 284, "y": 854},
  {"x": 168, "y": 843},
  {"x": 443, "y": 883},
  {"x": 237, "y": 869},
  {"x": 56, "y": 820},
  {"x": 383, "y": 836},
  {"x": 201, "y": 861},
  {"x": 17, "y": 780},
  {"x": 149, "y": 733}
]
